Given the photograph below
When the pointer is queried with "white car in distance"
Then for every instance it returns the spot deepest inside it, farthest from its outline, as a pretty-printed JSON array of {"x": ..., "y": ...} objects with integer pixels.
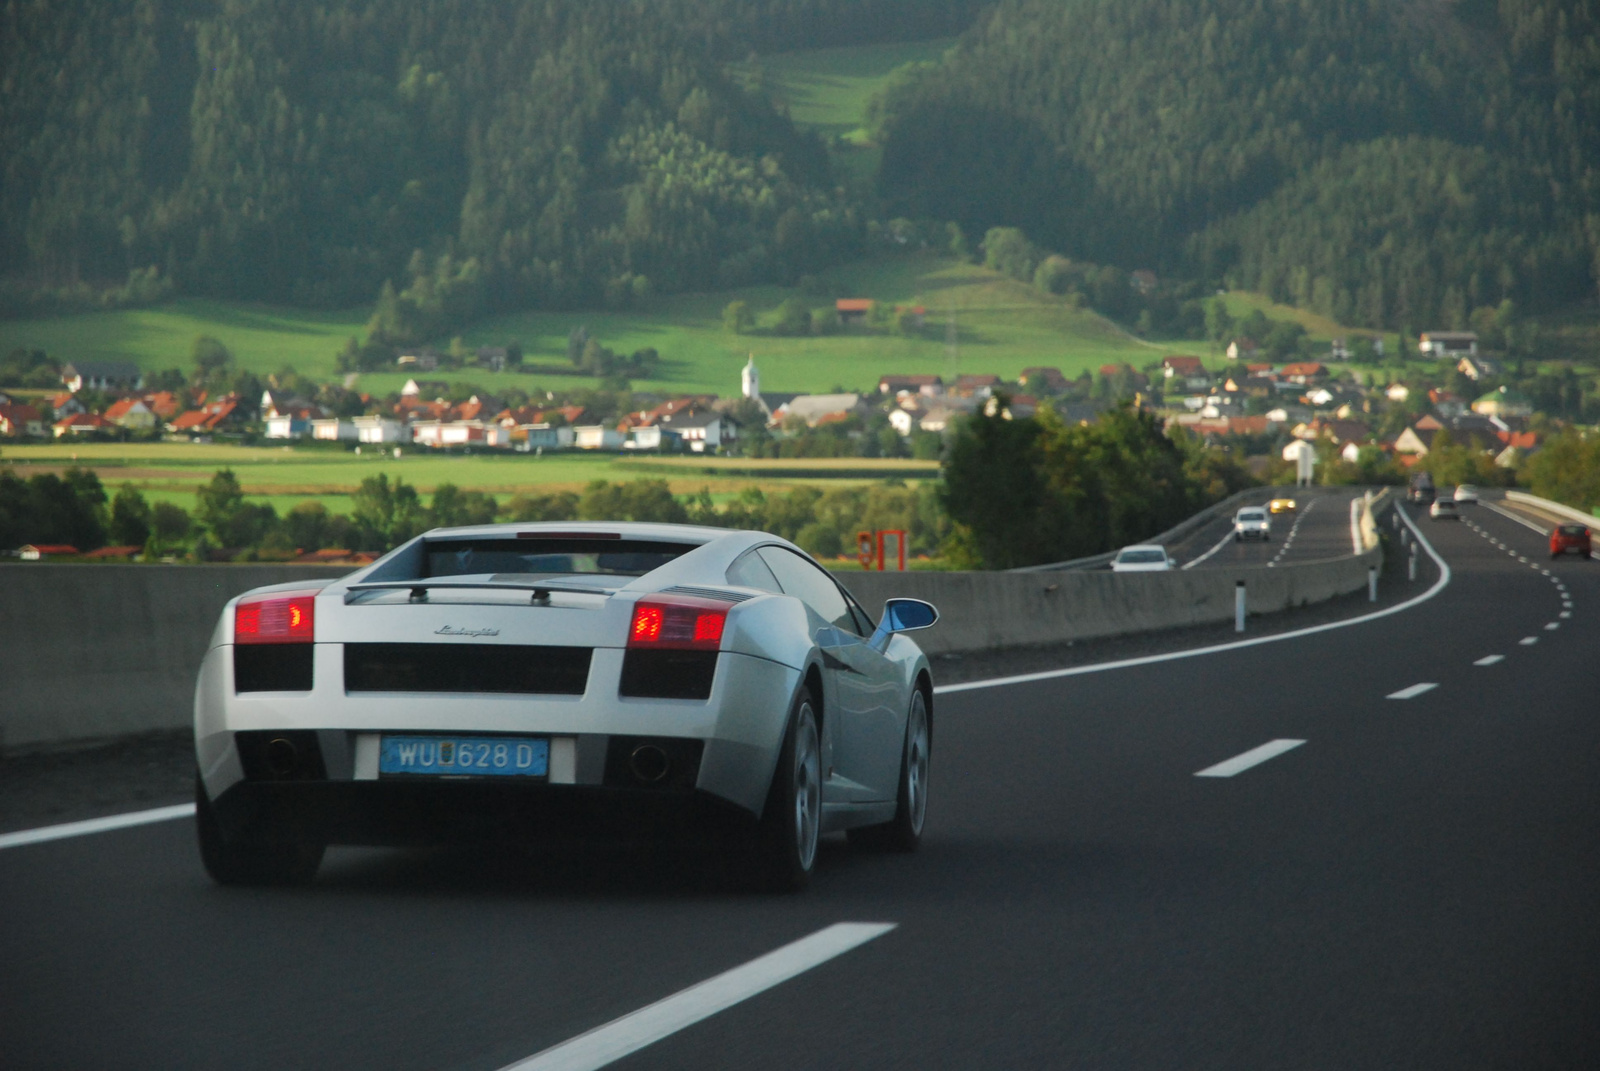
[
  {"x": 1252, "y": 522},
  {"x": 1142, "y": 558},
  {"x": 1466, "y": 493}
]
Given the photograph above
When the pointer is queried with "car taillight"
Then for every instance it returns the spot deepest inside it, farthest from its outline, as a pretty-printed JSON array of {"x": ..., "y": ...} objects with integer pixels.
[
  {"x": 678, "y": 623},
  {"x": 281, "y": 618}
]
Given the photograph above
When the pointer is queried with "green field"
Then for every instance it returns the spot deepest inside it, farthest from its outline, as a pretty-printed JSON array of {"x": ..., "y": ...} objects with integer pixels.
[
  {"x": 1002, "y": 326},
  {"x": 285, "y": 476}
]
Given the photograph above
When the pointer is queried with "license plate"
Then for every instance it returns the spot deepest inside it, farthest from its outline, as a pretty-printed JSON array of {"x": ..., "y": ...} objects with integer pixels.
[{"x": 475, "y": 756}]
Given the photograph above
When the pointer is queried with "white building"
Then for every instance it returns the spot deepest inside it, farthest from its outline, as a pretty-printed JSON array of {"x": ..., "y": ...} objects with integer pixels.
[
  {"x": 750, "y": 380},
  {"x": 333, "y": 429},
  {"x": 596, "y": 437},
  {"x": 377, "y": 429},
  {"x": 442, "y": 433}
]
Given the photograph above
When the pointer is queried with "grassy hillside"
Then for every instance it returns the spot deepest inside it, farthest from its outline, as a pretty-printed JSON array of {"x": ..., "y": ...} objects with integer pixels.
[{"x": 1002, "y": 327}]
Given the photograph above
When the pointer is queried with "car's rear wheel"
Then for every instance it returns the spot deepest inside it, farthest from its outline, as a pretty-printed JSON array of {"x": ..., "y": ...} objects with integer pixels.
[
  {"x": 904, "y": 832},
  {"x": 792, "y": 820},
  {"x": 251, "y": 859}
]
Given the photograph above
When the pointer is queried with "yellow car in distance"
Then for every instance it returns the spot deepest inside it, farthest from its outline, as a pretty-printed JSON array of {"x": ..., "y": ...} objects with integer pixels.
[{"x": 1282, "y": 505}]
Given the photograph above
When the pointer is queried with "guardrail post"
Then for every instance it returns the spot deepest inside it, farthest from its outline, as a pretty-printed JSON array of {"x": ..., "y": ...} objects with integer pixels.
[
  {"x": 1238, "y": 606},
  {"x": 1412, "y": 570},
  {"x": 1405, "y": 537},
  {"x": 1372, "y": 583}
]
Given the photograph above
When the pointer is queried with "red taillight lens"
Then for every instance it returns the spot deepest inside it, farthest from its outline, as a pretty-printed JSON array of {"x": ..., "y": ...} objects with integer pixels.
[
  {"x": 678, "y": 622},
  {"x": 286, "y": 618}
]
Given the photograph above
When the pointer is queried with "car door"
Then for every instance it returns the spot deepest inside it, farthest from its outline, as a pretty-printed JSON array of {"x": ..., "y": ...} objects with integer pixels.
[{"x": 862, "y": 685}]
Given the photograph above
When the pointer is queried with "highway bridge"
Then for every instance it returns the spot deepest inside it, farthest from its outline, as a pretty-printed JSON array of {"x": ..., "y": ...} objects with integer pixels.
[{"x": 1370, "y": 844}]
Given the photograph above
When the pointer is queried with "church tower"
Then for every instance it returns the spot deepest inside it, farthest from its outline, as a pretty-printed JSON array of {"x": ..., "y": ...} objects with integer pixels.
[{"x": 751, "y": 379}]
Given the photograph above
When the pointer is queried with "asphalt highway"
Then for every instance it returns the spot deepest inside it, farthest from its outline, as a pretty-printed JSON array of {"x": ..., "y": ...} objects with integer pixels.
[
  {"x": 1317, "y": 530},
  {"x": 1391, "y": 861}
]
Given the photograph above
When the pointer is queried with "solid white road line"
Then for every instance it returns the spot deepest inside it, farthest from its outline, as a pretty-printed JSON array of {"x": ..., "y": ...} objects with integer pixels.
[
  {"x": 1515, "y": 517},
  {"x": 1489, "y": 660},
  {"x": 620, "y": 1037},
  {"x": 95, "y": 825},
  {"x": 1220, "y": 544},
  {"x": 1254, "y": 757},
  {"x": 1413, "y": 691},
  {"x": 1528, "y": 641},
  {"x": 1147, "y": 660}
]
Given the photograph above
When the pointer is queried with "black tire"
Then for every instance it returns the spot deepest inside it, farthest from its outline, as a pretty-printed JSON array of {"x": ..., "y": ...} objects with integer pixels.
[
  {"x": 254, "y": 859},
  {"x": 791, "y": 821},
  {"x": 903, "y": 832}
]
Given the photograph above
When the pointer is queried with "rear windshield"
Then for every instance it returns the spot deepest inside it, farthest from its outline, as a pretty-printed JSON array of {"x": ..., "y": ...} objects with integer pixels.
[
  {"x": 550, "y": 557},
  {"x": 1141, "y": 557},
  {"x": 1252, "y": 515},
  {"x": 1573, "y": 529}
]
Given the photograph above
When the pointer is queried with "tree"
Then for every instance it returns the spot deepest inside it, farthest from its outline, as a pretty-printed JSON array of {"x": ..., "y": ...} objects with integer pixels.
[
  {"x": 454, "y": 507},
  {"x": 130, "y": 518},
  {"x": 737, "y": 317},
  {"x": 219, "y": 504},
  {"x": 211, "y": 359},
  {"x": 384, "y": 514},
  {"x": 794, "y": 318}
]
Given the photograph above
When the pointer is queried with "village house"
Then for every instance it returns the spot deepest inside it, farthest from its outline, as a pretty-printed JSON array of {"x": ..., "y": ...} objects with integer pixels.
[
  {"x": 378, "y": 429},
  {"x": 596, "y": 437},
  {"x": 1446, "y": 403},
  {"x": 36, "y": 552},
  {"x": 423, "y": 360},
  {"x": 915, "y": 384},
  {"x": 976, "y": 386},
  {"x": 1451, "y": 344},
  {"x": 212, "y": 416},
  {"x": 1049, "y": 380},
  {"x": 1304, "y": 373},
  {"x": 334, "y": 429},
  {"x": 703, "y": 430},
  {"x": 131, "y": 413},
  {"x": 17, "y": 420},
  {"x": 1243, "y": 349},
  {"x": 81, "y": 424},
  {"x": 1476, "y": 368},
  {"x": 446, "y": 433},
  {"x": 1185, "y": 373},
  {"x": 1505, "y": 402},
  {"x": 101, "y": 375},
  {"x": 813, "y": 408},
  {"x": 853, "y": 310}
]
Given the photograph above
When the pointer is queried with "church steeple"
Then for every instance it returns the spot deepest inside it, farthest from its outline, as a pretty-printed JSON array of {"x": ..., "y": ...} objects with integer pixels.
[{"x": 750, "y": 379}]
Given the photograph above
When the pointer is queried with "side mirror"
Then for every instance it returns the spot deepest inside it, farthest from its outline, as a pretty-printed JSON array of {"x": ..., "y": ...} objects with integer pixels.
[
  {"x": 902, "y": 615},
  {"x": 908, "y": 615}
]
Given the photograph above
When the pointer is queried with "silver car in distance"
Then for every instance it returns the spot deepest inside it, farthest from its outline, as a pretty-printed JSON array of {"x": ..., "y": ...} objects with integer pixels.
[{"x": 530, "y": 682}]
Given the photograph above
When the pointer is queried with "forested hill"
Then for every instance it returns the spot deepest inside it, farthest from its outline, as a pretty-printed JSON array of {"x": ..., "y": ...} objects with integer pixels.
[
  {"x": 536, "y": 153},
  {"x": 1391, "y": 162}
]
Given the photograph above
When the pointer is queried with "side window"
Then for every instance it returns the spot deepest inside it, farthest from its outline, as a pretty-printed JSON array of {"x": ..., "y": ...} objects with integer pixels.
[
  {"x": 749, "y": 571},
  {"x": 811, "y": 586}
]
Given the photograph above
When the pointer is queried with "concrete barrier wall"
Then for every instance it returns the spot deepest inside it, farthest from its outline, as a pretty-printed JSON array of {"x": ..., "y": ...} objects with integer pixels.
[
  {"x": 91, "y": 651},
  {"x": 102, "y": 650},
  {"x": 979, "y": 611}
]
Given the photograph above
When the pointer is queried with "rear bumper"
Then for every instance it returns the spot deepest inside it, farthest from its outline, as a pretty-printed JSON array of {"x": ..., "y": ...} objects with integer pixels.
[
  {"x": 739, "y": 728},
  {"x": 396, "y": 814}
]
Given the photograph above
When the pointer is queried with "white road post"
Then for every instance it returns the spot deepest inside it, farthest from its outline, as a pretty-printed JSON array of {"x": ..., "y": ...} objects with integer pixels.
[
  {"x": 1372, "y": 583},
  {"x": 1238, "y": 606},
  {"x": 1412, "y": 570}
]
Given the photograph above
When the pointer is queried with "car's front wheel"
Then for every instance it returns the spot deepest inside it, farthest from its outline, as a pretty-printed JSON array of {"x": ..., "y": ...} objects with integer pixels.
[
  {"x": 904, "y": 832},
  {"x": 252, "y": 859},
  {"x": 792, "y": 820}
]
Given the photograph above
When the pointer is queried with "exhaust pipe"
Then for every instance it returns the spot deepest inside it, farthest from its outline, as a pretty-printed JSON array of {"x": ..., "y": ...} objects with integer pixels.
[
  {"x": 649, "y": 763},
  {"x": 283, "y": 758}
]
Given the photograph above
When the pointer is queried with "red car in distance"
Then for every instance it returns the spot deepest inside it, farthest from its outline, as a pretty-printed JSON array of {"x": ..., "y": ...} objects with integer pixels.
[{"x": 1569, "y": 538}]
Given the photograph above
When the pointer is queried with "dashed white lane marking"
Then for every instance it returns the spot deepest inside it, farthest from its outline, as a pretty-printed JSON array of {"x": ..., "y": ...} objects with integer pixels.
[
  {"x": 95, "y": 825},
  {"x": 1254, "y": 757},
  {"x": 1489, "y": 660},
  {"x": 1552, "y": 626},
  {"x": 1413, "y": 691},
  {"x": 620, "y": 1037},
  {"x": 1564, "y": 614},
  {"x": 1528, "y": 641}
]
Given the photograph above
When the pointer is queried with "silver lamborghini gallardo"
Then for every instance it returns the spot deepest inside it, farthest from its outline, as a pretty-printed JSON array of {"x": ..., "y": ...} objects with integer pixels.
[{"x": 527, "y": 682}]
